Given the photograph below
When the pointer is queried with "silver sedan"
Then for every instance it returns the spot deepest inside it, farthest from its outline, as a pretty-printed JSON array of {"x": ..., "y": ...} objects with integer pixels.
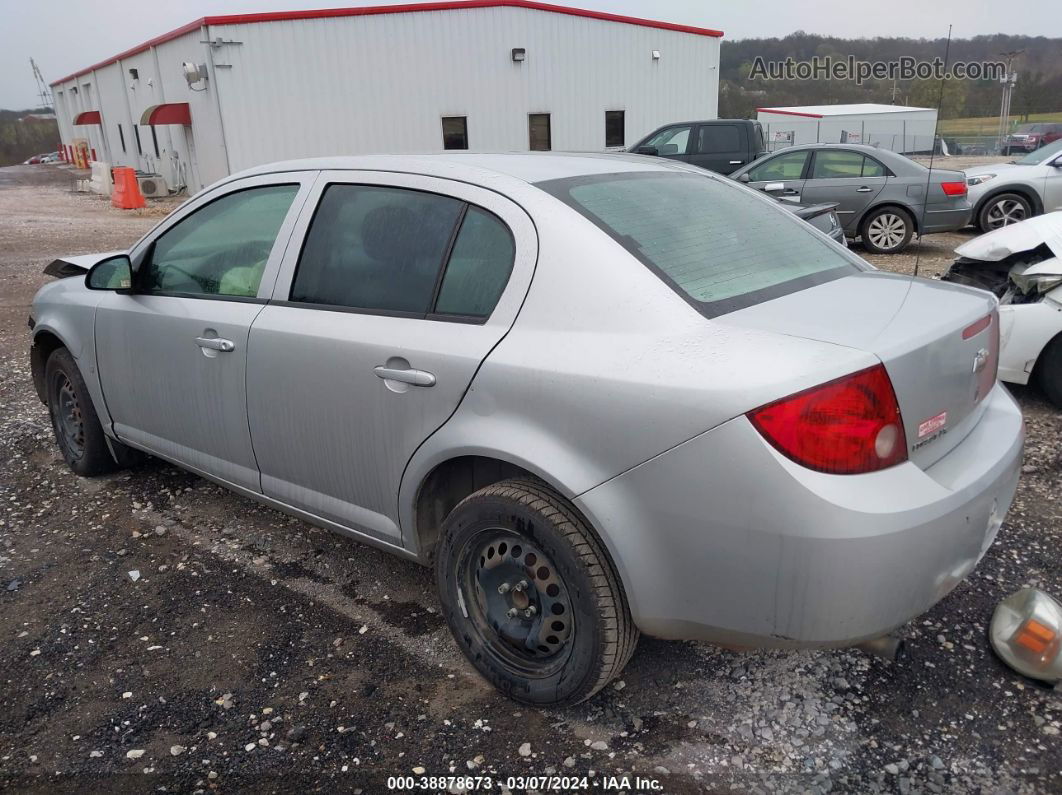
[{"x": 600, "y": 394}]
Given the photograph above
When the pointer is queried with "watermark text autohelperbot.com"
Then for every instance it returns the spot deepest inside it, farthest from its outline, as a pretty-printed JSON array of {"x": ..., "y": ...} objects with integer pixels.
[{"x": 827, "y": 67}]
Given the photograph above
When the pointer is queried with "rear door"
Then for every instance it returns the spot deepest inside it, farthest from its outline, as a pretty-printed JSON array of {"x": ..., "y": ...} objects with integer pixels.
[
  {"x": 848, "y": 178},
  {"x": 172, "y": 354},
  {"x": 401, "y": 286},
  {"x": 720, "y": 147}
]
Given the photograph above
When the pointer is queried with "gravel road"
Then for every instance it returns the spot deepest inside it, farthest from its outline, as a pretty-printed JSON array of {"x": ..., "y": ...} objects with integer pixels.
[{"x": 161, "y": 633}]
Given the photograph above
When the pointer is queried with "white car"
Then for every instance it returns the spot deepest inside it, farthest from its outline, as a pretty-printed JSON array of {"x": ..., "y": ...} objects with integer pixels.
[
  {"x": 1007, "y": 193},
  {"x": 1022, "y": 264}
]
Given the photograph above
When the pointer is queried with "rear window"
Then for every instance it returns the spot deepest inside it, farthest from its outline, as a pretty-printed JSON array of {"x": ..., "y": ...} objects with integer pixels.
[{"x": 719, "y": 246}]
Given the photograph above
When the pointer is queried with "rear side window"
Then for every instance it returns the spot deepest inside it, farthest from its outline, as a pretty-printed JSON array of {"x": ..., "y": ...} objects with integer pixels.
[
  {"x": 719, "y": 246},
  {"x": 837, "y": 165},
  {"x": 406, "y": 252},
  {"x": 479, "y": 266},
  {"x": 718, "y": 138},
  {"x": 376, "y": 248}
]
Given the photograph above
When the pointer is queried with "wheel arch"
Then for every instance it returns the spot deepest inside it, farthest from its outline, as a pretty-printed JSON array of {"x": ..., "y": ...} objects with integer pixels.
[
  {"x": 46, "y": 341},
  {"x": 887, "y": 204},
  {"x": 1023, "y": 190}
]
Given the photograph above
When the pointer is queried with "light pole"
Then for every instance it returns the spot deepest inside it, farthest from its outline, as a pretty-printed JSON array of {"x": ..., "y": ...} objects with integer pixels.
[{"x": 1008, "y": 80}]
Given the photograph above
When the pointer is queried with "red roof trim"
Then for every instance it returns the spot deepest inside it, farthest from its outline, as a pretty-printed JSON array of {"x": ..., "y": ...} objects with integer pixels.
[
  {"x": 325, "y": 13},
  {"x": 88, "y": 117},
  {"x": 789, "y": 113}
]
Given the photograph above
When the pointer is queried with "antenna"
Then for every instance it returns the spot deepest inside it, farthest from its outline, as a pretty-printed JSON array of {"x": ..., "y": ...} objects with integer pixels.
[
  {"x": 43, "y": 93},
  {"x": 932, "y": 152}
]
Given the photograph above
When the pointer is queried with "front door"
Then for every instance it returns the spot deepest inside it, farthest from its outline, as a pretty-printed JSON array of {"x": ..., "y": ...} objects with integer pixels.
[
  {"x": 378, "y": 323},
  {"x": 848, "y": 178},
  {"x": 172, "y": 354},
  {"x": 781, "y": 176}
]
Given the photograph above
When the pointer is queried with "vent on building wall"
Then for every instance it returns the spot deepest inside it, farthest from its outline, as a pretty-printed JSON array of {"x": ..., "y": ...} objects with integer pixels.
[
  {"x": 193, "y": 72},
  {"x": 153, "y": 187}
]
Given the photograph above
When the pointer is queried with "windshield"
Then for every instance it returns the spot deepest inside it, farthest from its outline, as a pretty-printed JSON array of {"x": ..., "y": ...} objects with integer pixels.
[
  {"x": 720, "y": 246},
  {"x": 1041, "y": 155},
  {"x": 1030, "y": 128}
]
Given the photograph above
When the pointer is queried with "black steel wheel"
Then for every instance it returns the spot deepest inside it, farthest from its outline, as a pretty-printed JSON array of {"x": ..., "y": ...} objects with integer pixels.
[
  {"x": 77, "y": 428},
  {"x": 531, "y": 596}
]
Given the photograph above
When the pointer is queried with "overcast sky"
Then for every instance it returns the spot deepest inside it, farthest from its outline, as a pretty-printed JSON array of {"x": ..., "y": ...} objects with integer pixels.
[{"x": 66, "y": 35}]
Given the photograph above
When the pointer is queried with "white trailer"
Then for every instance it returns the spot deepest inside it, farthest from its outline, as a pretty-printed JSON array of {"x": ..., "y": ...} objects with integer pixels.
[
  {"x": 899, "y": 128},
  {"x": 225, "y": 93}
]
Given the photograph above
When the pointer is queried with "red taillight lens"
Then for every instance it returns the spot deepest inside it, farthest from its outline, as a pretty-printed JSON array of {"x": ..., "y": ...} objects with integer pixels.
[
  {"x": 845, "y": 427},
  {"x": 953, "y": 188}
]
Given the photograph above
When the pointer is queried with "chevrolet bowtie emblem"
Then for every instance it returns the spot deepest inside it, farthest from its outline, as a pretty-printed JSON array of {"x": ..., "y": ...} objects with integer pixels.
[{"x": 980, "y": 360}]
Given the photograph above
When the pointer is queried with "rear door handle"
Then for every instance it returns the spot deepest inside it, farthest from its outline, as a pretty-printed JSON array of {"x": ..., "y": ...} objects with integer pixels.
[
  {"x": 736, "y": 162},
  {"x": 215, "y": 344},
  {"x": 864, "y": 189},
  {"x": 413, "y": 377}
]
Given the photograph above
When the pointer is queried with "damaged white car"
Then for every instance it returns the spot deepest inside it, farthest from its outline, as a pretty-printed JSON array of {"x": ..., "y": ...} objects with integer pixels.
[{"x": 1022, "y": 265}]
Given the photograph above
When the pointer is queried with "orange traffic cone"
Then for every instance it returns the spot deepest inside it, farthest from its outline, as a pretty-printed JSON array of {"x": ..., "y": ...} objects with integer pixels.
[{"x": 126, "y": 194}]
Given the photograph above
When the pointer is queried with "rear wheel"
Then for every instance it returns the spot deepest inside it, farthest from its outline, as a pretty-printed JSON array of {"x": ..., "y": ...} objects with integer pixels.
[
  {"x": 1003, "y": 210},
  {"x": 886, "y": 230},
  {"x": 1049, "y": 371},
  {"x": 531, "y": 596},
  {"x": 77, "y": 428}
]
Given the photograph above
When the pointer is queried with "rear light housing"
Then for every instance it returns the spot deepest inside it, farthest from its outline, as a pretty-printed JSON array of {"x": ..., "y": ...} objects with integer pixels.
[
  {"x": 954, "y": 188},
  {"x": 848, "y": 426}
]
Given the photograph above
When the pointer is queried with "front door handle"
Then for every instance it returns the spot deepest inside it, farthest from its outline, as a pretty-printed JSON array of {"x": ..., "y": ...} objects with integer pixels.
[
  {"x": 736, "y": 162},
  {"x": 864, "y": 189},
  {"x": 790, "y": 192},
  {"x": 413, "y": 377},
  {"x": 215, "y": 344}
]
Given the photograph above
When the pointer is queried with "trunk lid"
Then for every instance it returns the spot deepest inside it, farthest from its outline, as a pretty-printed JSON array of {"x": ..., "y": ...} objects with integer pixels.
[{"x": 931, "y": 336}]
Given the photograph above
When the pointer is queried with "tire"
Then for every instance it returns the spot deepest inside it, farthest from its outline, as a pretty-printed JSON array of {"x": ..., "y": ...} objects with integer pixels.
[
  {"x": 520, "y": 532},
  {"x": 886, "y": 230},
  {"x": 1002, "y": 210},
  {"x": 1049, "y": 371},
  {"x": 77, "y": 428}
]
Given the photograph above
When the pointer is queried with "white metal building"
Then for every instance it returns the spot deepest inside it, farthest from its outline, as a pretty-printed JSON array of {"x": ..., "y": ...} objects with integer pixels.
[
  {"x": 498, "y": 75},
  {"x": 896, "y": 127}
]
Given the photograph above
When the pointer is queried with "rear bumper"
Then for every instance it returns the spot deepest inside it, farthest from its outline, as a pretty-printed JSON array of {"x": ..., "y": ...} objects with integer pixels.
[
  {"x": 946, "y": 220},
  {"x": 723, "y": 539}
]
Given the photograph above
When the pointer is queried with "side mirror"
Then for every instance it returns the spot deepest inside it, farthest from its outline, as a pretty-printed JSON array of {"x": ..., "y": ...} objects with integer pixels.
[
  {"x": 646, "y": 150},
  {"x": 744, "y": 177},
  {"x": 115, "y": 273}
]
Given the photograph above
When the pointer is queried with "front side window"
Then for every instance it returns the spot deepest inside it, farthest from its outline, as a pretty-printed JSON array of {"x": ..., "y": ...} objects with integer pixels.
[
  {"x": 539, "y": 137},
  {"x": 222, "y": 248},
  {"x": 455, "y": 132},
  {"x": 785, "y": 166},
  {"x": 719, "y": 246},
  {"x": 671, "y": 141},
  {"x": 837, "y": 164},
  {"x": 614, "y": 127}
]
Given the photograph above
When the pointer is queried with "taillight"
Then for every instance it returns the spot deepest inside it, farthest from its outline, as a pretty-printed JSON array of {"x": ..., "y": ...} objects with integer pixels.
[
  {"x": 954, "y": 188},
  {"x": 845, "y": 427}
]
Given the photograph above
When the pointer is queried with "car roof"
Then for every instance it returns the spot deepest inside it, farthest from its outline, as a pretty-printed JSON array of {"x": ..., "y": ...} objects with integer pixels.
[{"x": 529, "y": 167}]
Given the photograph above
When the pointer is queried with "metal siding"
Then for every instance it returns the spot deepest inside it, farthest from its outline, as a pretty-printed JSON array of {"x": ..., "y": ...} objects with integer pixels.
[{"x": 382, "y": 83}]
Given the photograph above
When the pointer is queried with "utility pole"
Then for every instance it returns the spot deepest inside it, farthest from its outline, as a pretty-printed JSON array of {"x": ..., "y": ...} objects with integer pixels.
[
  {"x": 42, "y": 87},
  {"x": 1008, "y": 80}
]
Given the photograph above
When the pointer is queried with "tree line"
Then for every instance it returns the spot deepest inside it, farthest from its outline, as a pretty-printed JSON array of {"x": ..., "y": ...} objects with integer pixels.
[
  {"x": 1038, "y": 89},
  {"x": 21, "y": 138}
]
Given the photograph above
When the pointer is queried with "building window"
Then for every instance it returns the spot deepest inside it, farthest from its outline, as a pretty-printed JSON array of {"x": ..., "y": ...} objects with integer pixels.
[
  {"x": 134, "y": 74},
  {"x": 538, "y": 132},
  {"x": 155, "y": 140},
  {"x": 455, "y": 132},
  {"x": 121, "y": 138},
  {"x": 136, "y": 134},
  {"x": 614, "y": 128}
]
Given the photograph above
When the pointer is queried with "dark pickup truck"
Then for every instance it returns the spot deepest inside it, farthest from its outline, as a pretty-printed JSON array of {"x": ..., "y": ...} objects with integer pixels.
[{"x": 721, "y": 145}]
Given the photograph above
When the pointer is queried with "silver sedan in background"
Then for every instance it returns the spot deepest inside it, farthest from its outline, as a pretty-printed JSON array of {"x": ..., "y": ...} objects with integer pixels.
[
  {"x": 880, "y": 194},
  {"x": 600, "y": 394}
]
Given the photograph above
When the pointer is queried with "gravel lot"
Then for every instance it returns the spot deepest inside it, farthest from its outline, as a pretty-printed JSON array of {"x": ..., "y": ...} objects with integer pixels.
[{"x": 255, "y": 651}]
